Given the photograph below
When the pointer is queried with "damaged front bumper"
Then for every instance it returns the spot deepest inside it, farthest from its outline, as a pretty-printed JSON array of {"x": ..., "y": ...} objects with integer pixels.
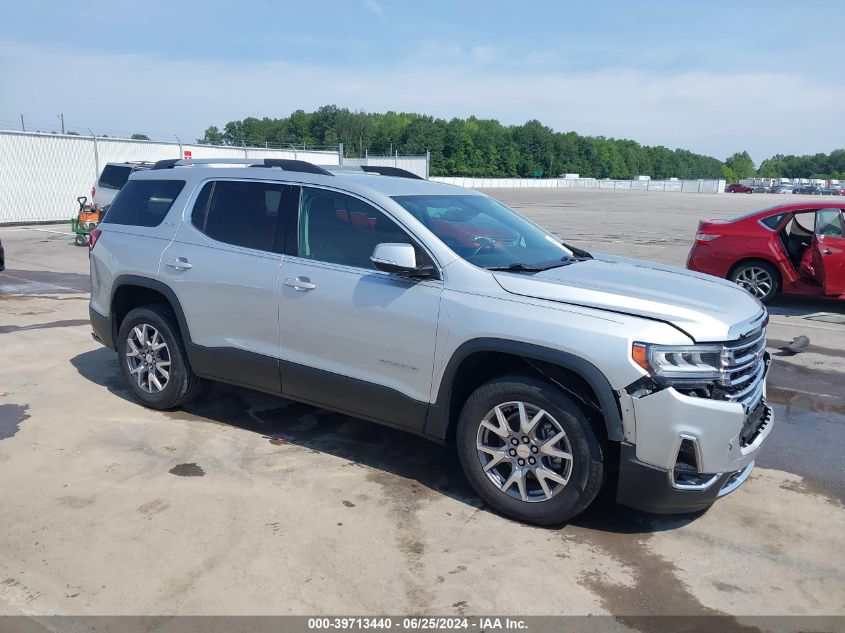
[{"x": 683, "y": 452}]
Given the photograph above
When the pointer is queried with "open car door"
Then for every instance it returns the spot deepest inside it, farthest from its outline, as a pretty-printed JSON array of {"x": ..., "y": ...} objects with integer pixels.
[{"x": 829, "y": 251}]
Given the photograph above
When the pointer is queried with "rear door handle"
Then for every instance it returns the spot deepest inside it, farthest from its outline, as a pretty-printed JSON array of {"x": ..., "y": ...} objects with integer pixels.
[
  {"x": 180, "y": 263},
  {"x": 300, "y": 284},
  {"x": 826, "y": 251}
]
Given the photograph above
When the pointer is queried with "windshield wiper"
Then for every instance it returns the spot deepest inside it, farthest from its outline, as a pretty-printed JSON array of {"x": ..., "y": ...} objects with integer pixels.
[
  {"x": 564, "y": 261},
  {"x": 516, "y": 267}
]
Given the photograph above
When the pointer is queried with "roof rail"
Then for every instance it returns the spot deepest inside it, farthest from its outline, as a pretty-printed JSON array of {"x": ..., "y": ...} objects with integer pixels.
[
  {"x": 289, "y": 164},
  {"x": 283, "y": 163},
  {"x": 390, "y": 171}
]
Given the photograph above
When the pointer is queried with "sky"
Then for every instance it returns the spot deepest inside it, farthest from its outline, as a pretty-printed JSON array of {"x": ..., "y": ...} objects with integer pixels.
[{"x": 714, "y": 77}]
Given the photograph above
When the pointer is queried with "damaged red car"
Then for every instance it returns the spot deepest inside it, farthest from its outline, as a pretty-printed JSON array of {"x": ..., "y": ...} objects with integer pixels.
[{"x": 796, "y": 249}]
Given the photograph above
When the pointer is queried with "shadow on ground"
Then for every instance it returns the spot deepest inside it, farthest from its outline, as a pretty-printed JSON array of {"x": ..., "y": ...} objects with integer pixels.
[
  {"x": 392, "y": 451},
  {"x": 785, "y": 305}
]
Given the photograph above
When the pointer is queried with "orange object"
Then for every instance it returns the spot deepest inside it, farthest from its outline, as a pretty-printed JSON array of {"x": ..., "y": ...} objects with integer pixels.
[{"x": 639, "y": 353}]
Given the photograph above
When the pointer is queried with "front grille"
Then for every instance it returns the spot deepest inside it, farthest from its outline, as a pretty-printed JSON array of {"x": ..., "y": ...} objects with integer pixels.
[{"x": 744, "y": 364}]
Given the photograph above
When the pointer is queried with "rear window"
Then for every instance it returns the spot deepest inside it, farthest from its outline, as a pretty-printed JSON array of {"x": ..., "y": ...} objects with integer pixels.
[
  {"x": 143, "y": 202},
  {"x": 114, "y": 176}
]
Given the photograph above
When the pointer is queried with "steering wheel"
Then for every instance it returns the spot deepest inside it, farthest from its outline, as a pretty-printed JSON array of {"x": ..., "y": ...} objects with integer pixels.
[{"x": 486, "y": 244}]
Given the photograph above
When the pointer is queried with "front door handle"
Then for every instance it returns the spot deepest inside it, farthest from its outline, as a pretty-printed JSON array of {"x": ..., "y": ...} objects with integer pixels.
[
  {"x": 300, "y": 284},
  {"x": 180, "y": 263},
  {"x": 826, "y": 251}
]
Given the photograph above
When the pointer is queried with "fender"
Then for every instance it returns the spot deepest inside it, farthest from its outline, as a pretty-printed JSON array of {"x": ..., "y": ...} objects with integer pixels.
[
  {"x": 437, "y": 422},
  {"x": 159, "y": 286}
]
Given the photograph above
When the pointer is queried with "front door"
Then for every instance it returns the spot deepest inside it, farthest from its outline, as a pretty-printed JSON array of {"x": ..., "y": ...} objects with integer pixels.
[
  {"x": 354, "y": 338},
  {"x": 829, "y": 251}
]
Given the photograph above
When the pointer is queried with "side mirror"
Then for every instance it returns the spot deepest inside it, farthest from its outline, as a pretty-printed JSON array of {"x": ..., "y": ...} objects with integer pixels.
[{"x": 400, "y": 259}]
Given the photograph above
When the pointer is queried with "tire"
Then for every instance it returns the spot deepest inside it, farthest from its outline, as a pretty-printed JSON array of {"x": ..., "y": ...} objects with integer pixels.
[
  {"x": 582, "y": 473},
  {"x": 170, "y": 368},
  {"x": 759, "y": 278},
  {"x": 81, "y": 240}
]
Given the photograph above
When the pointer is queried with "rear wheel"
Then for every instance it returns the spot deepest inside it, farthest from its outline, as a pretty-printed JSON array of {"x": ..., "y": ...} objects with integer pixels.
[
  {"x": 529, "y": 451},
  {"x": 152, "y": 358},
  {"x": 759, "y": 278}
]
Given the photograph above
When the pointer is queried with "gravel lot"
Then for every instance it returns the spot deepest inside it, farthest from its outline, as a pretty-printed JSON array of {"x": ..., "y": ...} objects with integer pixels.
[{"x": 248, "y": 504}]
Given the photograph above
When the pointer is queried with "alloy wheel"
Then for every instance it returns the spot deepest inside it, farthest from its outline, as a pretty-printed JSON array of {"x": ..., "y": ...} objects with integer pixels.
[
  {"x": 148, "y": 358},
  {"x": 524, "y": 451},
  {"x": 755, "y": 280}
]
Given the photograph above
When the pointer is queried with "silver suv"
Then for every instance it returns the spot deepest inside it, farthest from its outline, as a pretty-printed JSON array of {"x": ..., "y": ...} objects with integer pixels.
[{"x": 440, "y": 311}]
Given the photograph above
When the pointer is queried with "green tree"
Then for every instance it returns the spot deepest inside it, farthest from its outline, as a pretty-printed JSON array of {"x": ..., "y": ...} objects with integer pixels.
[
  {"x": 741, "y": 165},
  {"x": 213, "y": 136},
  {"x": 140, "y": 137}
]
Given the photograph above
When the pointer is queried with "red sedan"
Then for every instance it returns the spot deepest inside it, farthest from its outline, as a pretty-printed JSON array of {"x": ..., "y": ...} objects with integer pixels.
[
  {"x": 735, "y": 187},
  {"x": 797, "y": 249}
]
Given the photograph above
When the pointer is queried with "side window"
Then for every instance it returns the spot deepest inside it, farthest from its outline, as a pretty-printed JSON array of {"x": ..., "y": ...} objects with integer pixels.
[
  {"x": 829, "y": 223},
  {"x": 201, "y": 206},
  {"x": 340, "y": 229},
  {"x": 772, "y": 221},
  {"x": 114, "y": 176},
  {"x": 244, "y": 213},
  {"x": 143, "y": 202}
]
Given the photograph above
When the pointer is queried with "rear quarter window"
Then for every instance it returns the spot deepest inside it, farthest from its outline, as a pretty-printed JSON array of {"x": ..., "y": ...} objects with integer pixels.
[
  {"x": 143, "y": 202},
  {"x": 773, "y": 221},
  {"x": 114, "y": 176}
]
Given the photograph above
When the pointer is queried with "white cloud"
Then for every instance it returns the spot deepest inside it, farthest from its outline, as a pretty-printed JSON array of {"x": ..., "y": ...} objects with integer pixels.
[
  {"x": 715, "y": 113},
  {"x": 484, "y": 54},
  {"x": 374, "y": 6}
]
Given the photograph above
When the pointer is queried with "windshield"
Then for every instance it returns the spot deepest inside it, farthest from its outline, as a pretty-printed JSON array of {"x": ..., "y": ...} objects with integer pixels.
[{"x": 485, "y": 232}]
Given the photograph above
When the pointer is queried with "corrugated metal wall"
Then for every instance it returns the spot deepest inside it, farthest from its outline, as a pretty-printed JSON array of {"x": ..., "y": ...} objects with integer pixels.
[
  {"x": 41, "y": 175},
  {"x": 415, "y": 164},
  {"x": 679, "y": 186}
]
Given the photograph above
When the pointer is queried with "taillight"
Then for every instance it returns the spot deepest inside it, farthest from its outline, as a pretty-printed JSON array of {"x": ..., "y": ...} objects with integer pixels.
[
  {"x": 704, "y": 238},
  {"x": 93, "y": 236}
]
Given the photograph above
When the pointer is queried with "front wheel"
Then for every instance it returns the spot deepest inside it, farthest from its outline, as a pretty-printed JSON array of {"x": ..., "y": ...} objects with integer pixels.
[
  {"x": 529, "y": 451},
  {"x": 759, "y": 278}
]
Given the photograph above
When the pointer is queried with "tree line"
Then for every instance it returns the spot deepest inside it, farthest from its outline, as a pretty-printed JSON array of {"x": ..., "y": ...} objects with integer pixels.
[{"x": 483, "y": 147}]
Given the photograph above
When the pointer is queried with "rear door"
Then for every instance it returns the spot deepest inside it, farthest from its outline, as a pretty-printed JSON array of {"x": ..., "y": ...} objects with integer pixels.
[
  {"x": 223, "y": 266},
  {"x": 355, "y": 338},
  {"x": 829, "y": 251}
]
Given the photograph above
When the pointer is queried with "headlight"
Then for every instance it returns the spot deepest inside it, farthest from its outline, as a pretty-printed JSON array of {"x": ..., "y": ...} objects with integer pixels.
[{"x": 679, "y": 362}]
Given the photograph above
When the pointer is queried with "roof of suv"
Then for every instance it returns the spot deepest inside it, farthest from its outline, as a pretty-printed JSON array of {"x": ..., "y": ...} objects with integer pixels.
[{"x": 352, "y": 179}]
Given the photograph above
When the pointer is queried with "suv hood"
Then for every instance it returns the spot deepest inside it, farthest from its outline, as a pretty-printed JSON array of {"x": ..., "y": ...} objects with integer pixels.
[{"x": 704, "y": 307}]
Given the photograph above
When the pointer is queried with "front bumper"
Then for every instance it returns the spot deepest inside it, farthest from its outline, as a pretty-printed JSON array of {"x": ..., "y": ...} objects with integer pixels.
[
  {"x": 650, "y": 489},
  {"x": 683, "y": 452}
]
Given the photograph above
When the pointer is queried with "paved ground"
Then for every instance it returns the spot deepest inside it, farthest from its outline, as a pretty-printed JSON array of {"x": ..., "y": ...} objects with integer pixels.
[{"x": 248, "y": 504}]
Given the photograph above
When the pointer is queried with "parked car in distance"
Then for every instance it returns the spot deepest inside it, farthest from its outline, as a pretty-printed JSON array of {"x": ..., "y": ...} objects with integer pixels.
[
  {"x": 807, "y": 189},
  {"x": 833, "y": 190},
  {"x": 735, "y": 187},
  {"x": 761, "y": 189},
  {"x": 111, "y": 180},
  {"x": 437, "y": 310},
  {"x": 797, "y": 249},
  {"x": 782, "y": 189}
]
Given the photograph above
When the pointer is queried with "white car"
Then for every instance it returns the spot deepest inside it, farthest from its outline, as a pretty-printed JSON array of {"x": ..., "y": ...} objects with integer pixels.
[{"x": 111, "y": 180}]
